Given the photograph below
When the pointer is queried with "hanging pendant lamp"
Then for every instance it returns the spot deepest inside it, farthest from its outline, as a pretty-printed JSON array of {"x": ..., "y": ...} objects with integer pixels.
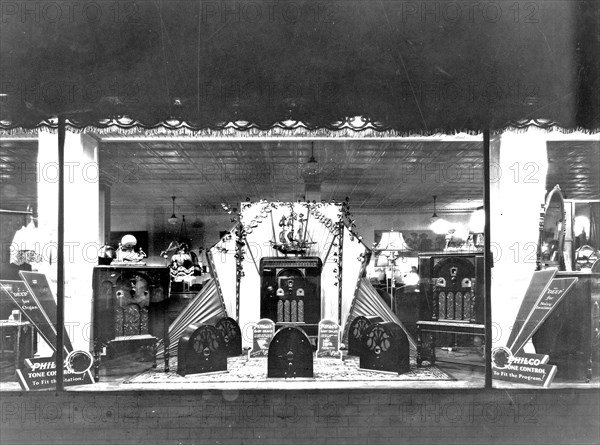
[
  {"x": 312, "y": 166},
  {"x": 439, "y": 225},
  {"x": 173, "y": 219}
]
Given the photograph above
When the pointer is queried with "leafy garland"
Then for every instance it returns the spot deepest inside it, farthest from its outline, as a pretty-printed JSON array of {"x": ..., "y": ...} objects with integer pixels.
[{"x": 243, "y": 229}]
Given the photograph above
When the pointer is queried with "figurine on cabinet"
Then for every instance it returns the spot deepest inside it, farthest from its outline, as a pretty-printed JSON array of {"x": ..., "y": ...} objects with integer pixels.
[
  {"x": 184, "y": 263},
  {"x": 126, "y": 252}
]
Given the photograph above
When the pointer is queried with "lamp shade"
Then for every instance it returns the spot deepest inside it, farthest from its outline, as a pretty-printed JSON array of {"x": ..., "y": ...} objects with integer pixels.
[
  {"x": 440, "y": 226},
  {"x": 312, "y": 167},
  {"x": 382, "y": 261},
  {"x": 173, "y": 219},
  {"x": 477, "y": 222},
  {"x": 392, "y": 240},
  {"x": 26, "y": 245}
]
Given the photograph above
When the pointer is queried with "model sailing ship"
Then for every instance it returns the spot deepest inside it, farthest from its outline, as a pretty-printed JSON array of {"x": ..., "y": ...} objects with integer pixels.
[{"x": 290, "y": 240}]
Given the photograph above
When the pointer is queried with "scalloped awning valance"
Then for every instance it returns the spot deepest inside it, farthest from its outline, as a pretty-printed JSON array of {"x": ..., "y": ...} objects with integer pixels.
[{"x": 403, "y": 66}]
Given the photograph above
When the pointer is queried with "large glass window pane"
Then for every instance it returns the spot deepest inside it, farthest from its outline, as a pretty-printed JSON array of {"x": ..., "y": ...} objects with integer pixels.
[
  {"x": 186, "y": 256},
  {"x": 28, "y": 267},
  {"x": 227, "y": 243},
  {"x": 545, "y": 242}
]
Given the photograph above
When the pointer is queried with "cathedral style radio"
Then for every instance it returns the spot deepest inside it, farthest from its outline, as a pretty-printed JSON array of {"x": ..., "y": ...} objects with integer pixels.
[
  {"x": 290, "y": 354},
  {"x": 201, "y": 349},
  {"x": 291, "y": 290},
  {"x": 356, "y": 333},
  {"x": 385, "y": 348},
  {"x": 232, "y": 336}
]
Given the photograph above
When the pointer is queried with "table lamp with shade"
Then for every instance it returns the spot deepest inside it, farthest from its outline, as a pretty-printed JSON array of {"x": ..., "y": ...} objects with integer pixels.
[
  {"x": 27, "y": 244},
  {"x": 390, "y": 248},
  {"x": 477, "y": 227}
]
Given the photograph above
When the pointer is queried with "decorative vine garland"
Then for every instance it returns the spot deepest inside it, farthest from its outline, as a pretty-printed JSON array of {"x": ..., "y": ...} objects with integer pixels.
[{"x": 313, "y": 209}]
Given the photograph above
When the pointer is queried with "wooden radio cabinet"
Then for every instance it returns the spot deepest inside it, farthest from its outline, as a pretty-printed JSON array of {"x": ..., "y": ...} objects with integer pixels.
[
  {"x": 130, "y": 311},
  {"x": 17, "y": 342},
  {"x": 570, "y": 335},
  {"x": 290, "y": 291},
  {"x": 452, "y": 308}
]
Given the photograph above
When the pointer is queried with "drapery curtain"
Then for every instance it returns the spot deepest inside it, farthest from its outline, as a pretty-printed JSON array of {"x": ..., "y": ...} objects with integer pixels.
[{"x": 411, "y": 67}]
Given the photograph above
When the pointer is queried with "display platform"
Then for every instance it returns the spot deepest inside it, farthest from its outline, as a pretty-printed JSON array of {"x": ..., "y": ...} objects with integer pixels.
[{"x": 252, "y": 370}]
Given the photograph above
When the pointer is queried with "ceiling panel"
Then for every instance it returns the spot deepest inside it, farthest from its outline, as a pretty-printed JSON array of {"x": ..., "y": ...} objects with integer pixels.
[
  {"x": 575, "y": 166},
  {"x": 373, "y": 174},
  {"x": 381, "y": 175}
]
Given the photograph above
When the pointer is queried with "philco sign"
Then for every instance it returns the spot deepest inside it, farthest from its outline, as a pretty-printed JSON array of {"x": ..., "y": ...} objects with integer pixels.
[
  {"x": 523, "y": 368},
  {"x": 40, "y": 373}
]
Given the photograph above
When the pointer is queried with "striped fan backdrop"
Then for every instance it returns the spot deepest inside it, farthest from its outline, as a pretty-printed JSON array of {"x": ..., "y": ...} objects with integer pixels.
[
  {"x": 204, "y": 307},
  {"x": 368, "y": 302}
]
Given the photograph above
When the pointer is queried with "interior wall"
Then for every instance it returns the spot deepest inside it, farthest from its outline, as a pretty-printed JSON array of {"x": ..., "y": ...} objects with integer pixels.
[
  {"x": 9, "y": 224},
  {"x": 206, "y": 234},
  {"x": 514, "y": 223},
  {"x": 81, "y": 227},
  {"x": 203, "y": 230},
  {"x": 367, "y": 223}
]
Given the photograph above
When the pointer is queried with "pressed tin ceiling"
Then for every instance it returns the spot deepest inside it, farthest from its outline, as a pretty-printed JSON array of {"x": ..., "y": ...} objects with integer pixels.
[
  {"x": 575, "y": 166},
  {"x": 377, "y": 175}
]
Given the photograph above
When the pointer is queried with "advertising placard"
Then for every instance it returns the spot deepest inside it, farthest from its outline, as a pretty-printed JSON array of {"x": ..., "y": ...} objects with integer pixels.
[
  {"x": 262, "y": 335},
  {"x": 539, "y": 283},
  {"x": 36, "y": 302},
  {"x": 42, "y": 316},
  {"x": 328, "y": 343},
  {"x": 509, "y": 362},
  {"x": 526, "y": 368},
  {"x": 550, "y": 298},
  {"x": 40, "y": 373}
]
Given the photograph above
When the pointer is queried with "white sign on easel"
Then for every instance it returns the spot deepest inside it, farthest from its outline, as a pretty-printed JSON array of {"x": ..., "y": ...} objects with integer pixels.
[
  {"x": 328, "y": 342},
  {"x": 261, "y": 339}
]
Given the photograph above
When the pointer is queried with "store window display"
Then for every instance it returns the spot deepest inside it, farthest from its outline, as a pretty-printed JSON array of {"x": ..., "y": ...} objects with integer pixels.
[
  {"x": 568, "y": 334},
  {"x": 398, "y": 285},
  {"x": 546, "y": 318},
  {"x": 314, "y": 261}
]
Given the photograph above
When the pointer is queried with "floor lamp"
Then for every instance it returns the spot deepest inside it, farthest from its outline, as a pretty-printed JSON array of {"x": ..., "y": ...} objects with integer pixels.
[{"x": 391, "y": 247}]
